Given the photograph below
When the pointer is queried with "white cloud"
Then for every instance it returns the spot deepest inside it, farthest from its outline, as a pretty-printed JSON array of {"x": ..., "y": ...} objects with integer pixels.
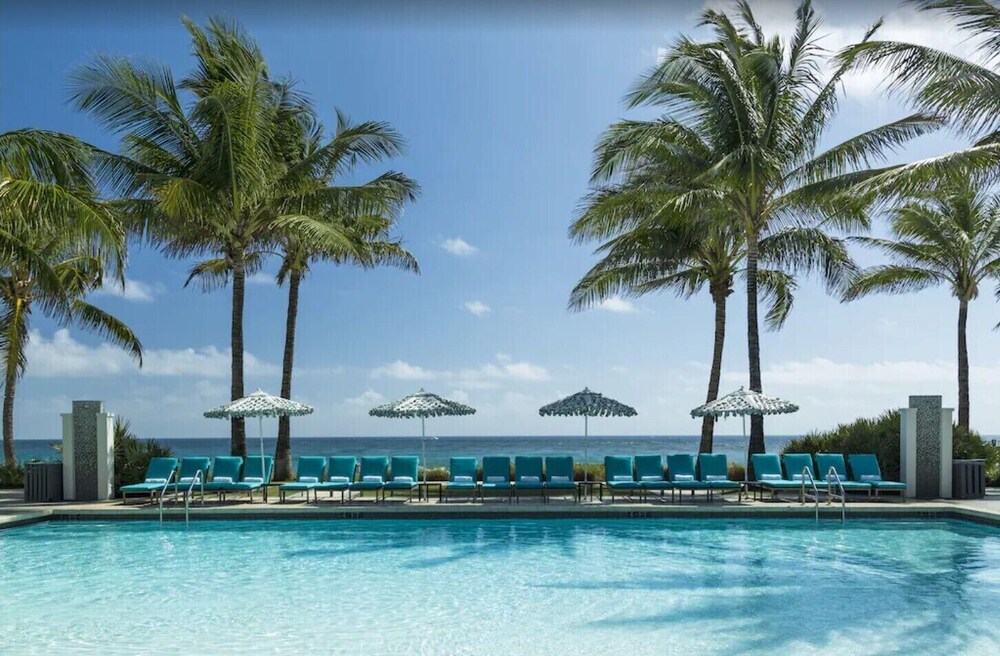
[
  {"x": 63, "y": 356},
  {"x": 486, "y": 376},
  {"x": 134, "y": 290},
  {"x": 459, "y": 247},
  {"x": 367, "y": 398},
  {"x": 618, "y": 305},
  {"x": 402, "y": 371},
  {"x": 459, "y": 395},
  {"x": 477, "y": 308},
  {"x": 261, "y": 278},
  {"x": 618, "y": 369}
]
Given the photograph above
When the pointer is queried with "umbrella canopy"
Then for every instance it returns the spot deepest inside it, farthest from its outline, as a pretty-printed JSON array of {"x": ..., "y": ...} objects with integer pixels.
[
  {"x": 587, "y": 404},
  {"x": 422, "y": 404},
  {"x": 259, "y": 404},
  {"x": 745, "y": 402}
]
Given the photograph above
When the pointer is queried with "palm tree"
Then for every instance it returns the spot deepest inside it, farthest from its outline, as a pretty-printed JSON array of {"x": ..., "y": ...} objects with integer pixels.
[
  {"x": 56, "y": 240},
  {"x": 650, "y": 259},
  {"x": 748, "y": 111},
  {"x": 78, "y": 269},
  {"x": 359, "y": 220},
  {"x": 950, "y": 237},
  {"x": 200, "y": 176},
  {"x": 964, "y": 91}
]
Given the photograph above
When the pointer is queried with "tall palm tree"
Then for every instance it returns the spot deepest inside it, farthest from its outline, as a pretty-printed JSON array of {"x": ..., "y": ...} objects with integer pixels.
[
  {"x": 56, "y": 241},
  {"x": 199, "y": 174},
  {"x": 651, "y": 259},
  {"x": 950, "y": 237},
  {"x": 749, "y": 111},
  {"x": 358, "y": 221}
]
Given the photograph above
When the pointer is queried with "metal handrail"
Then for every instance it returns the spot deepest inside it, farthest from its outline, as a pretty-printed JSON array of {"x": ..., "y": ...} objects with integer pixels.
[
  {"x": 199, "y": 477},
  {"x": 163, "y": 491},
  {"x": 832, "y": 473},
  {"x": 806, "y": 473}
]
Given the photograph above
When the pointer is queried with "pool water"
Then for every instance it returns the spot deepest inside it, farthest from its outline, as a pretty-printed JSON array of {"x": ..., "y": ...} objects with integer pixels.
[{"x": 501, "y": 587}]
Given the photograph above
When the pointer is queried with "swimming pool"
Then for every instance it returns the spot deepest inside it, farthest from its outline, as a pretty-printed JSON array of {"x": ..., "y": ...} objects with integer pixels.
[{"x": 706, "y": 586}]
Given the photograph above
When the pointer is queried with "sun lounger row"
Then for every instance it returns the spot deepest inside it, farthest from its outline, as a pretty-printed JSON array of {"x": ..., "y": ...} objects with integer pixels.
[
  {"x": 221, "y": 475},
  {"x": 830, "y": 470},
  {"x": 646, "y": 475}
]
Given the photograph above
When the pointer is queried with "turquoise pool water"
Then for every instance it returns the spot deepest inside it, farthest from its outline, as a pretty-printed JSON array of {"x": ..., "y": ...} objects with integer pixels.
[{"x": 501, "y": 587}]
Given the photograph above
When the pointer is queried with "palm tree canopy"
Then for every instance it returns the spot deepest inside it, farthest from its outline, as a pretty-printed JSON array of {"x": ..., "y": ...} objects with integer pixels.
[{"x": 950, "y": 236}]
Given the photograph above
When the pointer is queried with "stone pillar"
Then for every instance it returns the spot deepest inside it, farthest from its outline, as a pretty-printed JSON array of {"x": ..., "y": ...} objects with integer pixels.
[
  {"x": 69, "y": 462},
  {"x": 925, "y": 448},
  {"x": 88, "y": 452}
]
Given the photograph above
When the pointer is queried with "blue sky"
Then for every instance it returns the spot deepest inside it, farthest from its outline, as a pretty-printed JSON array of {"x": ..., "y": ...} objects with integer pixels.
[{"x": 501, "y": 107}]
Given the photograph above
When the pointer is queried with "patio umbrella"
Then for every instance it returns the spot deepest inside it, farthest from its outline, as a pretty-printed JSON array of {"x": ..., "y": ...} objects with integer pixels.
[
  {"x": 260, "y": 404},
  {"x": 422, "y": 404},
  {"x": 741, "y": 403},
  {"x": 588, "y": 404}
]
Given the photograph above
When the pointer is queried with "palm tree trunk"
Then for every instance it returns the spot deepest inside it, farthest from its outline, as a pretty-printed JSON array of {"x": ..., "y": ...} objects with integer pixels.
[
  {"x": 753, "y": 341},
  {"x": 708, "y": 423},
  {"x": 963, "y": 366},
  {"x": 238, "y": 435},
  {"x": 283, "y": 452},
  {"x": 14, "y": 347}
]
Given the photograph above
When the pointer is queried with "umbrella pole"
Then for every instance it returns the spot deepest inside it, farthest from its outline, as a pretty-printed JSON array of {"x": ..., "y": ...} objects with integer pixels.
[
  {"x": 746, "y": 462},
  {"x": 586, "y": 447},
  {"x": 260, "y": 436},
  {"x": 423, "y": 449}
]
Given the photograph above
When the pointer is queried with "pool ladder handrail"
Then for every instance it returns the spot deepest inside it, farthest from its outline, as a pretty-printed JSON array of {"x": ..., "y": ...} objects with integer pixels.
[
  {"x": 833, "y": 475},
  {"x": 807, "y": 474},
  {"x": 163, "y": 491},
  {"x": 199, "y": 478}
]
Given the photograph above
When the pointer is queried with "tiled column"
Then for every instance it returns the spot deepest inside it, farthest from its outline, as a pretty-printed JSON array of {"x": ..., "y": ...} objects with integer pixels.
[
  {"x": 68, "y": 460},
  {"x": 85, "y": 453},
  {"x": 925, "y": 448}
]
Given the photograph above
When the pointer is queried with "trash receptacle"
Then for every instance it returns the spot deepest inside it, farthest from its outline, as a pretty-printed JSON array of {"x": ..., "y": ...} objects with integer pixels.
[
  {"x": 968, "y": 479},
  {"x": 43, "y": 482}
]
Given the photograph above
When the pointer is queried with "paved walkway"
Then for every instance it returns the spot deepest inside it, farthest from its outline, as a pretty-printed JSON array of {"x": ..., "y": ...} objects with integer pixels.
[{"x": 14, "y": 511}]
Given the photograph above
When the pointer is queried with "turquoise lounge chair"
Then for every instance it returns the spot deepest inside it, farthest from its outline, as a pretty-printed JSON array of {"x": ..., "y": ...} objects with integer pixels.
[
  {"x": 559, "y": 475},
  {"x": 462, "y": 477},
  {"x": 257, "y": 474},
  {"x": 308, "y": 475},
  {"x": 618, "y": 476},
  {"x": 403, "y": 470},
  {"x": 681, "y": 471},
  {"x": 192, "y": 476},
  {"x": 649, "y": 471},
  {"x": 339, "y": 477},
  {"x": 713, "y": 470},
  {"x": 866, "y": 469},
  {"x": 528, "y": 475},
  {"x": 225, "y": 471},
  {"x": 496, "y": 477},
  {"x": 374, "y": 472},
  {"x": 159, "y": 472},
  {"x": 827, "y": 461},
  {"x": 768, "y": 476}
]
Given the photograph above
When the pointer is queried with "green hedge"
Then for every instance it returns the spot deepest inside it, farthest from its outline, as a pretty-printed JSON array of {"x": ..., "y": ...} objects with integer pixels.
[
  {"x": 881, "y": 437},
  {"x": 11, "y": 474}
]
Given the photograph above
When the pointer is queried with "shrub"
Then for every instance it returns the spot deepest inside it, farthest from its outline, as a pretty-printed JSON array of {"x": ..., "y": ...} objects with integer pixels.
[
  {"x": 438, "y": 474},
  {"x": 132, "y": 455},
  {"x": 881, "y": 437},
  {"x": 11, "y": 474},
  {"x": 736, "y": 471}
]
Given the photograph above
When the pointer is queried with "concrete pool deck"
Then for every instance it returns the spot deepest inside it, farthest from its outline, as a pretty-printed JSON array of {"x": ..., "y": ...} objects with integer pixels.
[{"x": 14, "y": 511}]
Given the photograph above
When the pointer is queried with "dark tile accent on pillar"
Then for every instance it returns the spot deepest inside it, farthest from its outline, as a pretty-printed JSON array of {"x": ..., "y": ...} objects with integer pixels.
[
  {"x": 928, "y": 460},
  {"x": 85, "y": 448}
]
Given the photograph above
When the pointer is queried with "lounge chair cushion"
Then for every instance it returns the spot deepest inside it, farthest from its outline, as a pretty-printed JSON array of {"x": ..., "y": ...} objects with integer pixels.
[
  {"x": 771, "y": 477},
  {"x": 308, "y": 479},
  {"x": 683, "y": 478},
  {"x": 647, "y": 479},
  {"x": 496, "y": 479},
  {"x": 463, "y": 479},
  {"x": 372, "y": 479},
  {"x": 871, "y": 478},
  {"x": 222, "y": 479},
  {"x": 155, "y": 481},
  {"x": 402, "y": 479},
  {"x": 253, "y": 479},
  {"x": 559, "y": 479},
  {"x": 340, "y": 479},
  {"x": 620, "y": 478},
  {"x": 714, "y": 478},
  {"x": 528, "y": 479}
]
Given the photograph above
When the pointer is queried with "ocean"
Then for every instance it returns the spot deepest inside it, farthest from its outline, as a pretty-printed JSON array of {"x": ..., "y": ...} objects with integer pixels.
[{"x": 441, "y": 449}]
